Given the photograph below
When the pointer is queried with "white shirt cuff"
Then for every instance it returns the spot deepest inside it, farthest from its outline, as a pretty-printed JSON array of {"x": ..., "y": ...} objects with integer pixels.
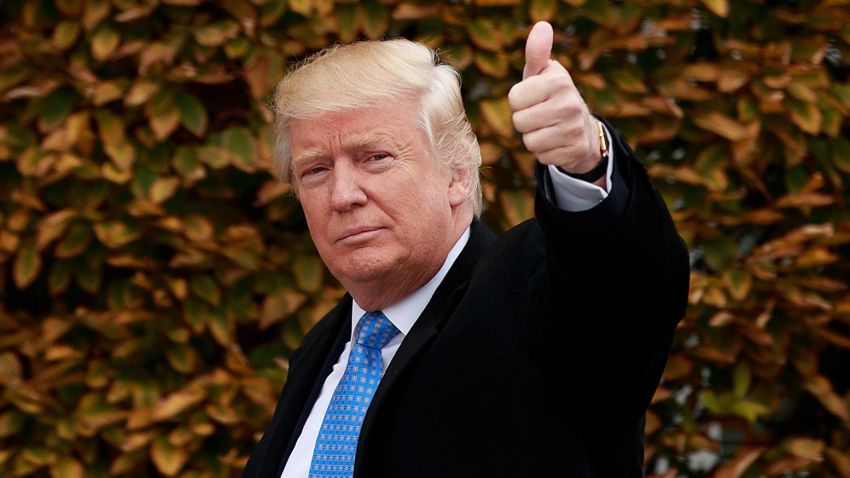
[{"x": 575, "y": 195}]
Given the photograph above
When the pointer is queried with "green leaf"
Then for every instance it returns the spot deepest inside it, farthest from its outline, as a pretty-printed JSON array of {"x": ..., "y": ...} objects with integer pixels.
[
  {"x": 749, "y": 410},
  {"x": 217, "y": 33},
  {"x": 485, "y": 34},
  {"x": 719, "y": 253},
  {"x": 165, "y": 121},
  {"x": 54, "y": 108},
  {"x": 115, "y": 234},
  {"x": 110, "y": 126},
  {"x": 204, "y": 287},
  {"x": 65, "y": 34},
  {"x": 711, "y": 164},
  {"x": 195, "y": 313},
  {"x": 167, "y": 458},
  {"x": 163, "y": 188},
  {"x": 89, "y": 276},
  {"x": 67, "y": 467},
  {"x": 60, "y": 277},
  {"x": 542, "y": 10},
  {"x": 95, "y": 11},
  {"x": 12, "y": 75},
  {"x": 806, "y": 116},
  {"x": 182, "y": 357},
  {"x": 308, "y": 271},
  {"x": 741, "y": 378},
  {"x": 841, "y": 154},
  {"x": 518, "y": 205},
  {"x": 239, "y": 141},
  {"x": 375, "y": 19},
  {"x": 193, "y": 115},
  {"x": 346, "y": 16},
  {"x": 104, "y": 41},
  {"x": 27, "y": 264},
  {"x": 738, "y": 282},
  {"x": 216, "y": 157},
  {"x": 492, "y": 63},
  {"x": 11, "y": 422}
]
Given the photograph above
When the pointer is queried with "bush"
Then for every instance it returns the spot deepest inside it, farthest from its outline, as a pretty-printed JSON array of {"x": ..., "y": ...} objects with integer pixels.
[{"x": 154, "y": 276}]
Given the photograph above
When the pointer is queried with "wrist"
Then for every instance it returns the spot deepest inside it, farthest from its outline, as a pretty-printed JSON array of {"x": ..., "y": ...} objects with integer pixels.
[{"x": 597, "y": 165}]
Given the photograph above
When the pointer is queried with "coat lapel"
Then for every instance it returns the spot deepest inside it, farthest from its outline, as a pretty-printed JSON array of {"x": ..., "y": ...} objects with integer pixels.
[{"x": 429, "y": 323}]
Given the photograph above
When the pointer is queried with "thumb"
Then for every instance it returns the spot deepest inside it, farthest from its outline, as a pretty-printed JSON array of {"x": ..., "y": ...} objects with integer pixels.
[{"x": 538, "y": 49}]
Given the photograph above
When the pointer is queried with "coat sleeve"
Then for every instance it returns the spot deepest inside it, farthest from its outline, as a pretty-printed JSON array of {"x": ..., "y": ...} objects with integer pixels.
[{"x": 615, "y": 286}]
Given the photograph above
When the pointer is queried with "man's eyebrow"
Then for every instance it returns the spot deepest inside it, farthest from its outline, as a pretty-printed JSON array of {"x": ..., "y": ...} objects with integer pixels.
[{"x": 307, "y": 156}]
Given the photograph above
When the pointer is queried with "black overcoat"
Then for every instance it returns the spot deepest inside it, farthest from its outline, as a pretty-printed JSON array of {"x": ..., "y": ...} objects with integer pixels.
[{"x": 537, "y": 355}]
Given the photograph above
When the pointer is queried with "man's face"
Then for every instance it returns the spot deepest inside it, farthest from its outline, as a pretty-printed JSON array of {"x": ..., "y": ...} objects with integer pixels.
[{"x": 378, "y": 205}]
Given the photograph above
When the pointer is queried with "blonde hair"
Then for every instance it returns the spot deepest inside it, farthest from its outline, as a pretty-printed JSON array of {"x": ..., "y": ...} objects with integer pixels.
[{"x": 373, "y": 72}]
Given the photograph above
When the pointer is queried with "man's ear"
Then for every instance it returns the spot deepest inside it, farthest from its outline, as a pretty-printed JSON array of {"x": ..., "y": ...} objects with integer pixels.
[{"x": 460, "y": 186}]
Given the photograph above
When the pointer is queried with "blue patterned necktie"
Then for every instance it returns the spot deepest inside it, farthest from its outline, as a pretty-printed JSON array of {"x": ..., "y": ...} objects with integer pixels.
[{"x": 336, "y": 444}]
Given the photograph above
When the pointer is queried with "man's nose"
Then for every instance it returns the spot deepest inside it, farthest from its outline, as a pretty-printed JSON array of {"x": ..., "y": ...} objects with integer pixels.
[{"x": 346, "y": 191}]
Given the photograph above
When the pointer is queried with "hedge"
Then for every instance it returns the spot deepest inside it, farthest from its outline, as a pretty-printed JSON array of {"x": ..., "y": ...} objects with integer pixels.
[{"x": 155, "y": 276}]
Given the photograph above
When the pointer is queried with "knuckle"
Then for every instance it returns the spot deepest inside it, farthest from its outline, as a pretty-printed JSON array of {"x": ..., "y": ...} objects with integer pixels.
[
  {"x": 530, "y": 142},
  {"x": 518, "y": 120},
  {"x": 514, "y": 96}
]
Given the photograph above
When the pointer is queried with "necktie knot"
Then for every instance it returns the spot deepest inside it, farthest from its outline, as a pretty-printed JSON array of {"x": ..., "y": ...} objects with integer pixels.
[{"x": 374, "y": 330}]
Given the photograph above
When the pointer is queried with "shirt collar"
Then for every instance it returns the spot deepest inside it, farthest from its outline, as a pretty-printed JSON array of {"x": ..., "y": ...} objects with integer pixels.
[{"x": 404, "y": 313}]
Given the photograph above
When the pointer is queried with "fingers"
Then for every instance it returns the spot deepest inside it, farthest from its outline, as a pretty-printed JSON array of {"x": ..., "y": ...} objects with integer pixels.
[
  {"x": 538, "y": 49},
  {"x": 537, "y": 89},
  {"x": 560, "y": 136},
  {"x": 546, "y": 113}
]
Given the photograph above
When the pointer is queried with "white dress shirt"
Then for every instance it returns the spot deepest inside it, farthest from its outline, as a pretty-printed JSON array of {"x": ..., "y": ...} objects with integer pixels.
[{"x": 570, "y": 194}]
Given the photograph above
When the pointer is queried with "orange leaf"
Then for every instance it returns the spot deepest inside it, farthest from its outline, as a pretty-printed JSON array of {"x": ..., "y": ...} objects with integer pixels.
[
  {"x": 179, "y": 401},
  {"x": 497, "y": 112},
  {"x": 736, "y": 467}
]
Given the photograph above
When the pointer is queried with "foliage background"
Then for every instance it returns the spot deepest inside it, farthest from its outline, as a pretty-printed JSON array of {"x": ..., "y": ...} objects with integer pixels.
[{"x": 154, "y": 276}]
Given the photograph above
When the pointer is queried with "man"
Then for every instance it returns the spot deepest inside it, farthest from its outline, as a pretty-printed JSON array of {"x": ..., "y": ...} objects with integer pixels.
[{"x": 456, "y": 353}]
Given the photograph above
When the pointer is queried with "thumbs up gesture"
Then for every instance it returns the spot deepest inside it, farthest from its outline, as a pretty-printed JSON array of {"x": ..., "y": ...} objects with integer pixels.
[{"x": 549, "y": 112}]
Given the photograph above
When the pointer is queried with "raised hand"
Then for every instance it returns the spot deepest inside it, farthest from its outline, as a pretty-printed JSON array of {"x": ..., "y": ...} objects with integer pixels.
[{"x": 549, "y": 112}]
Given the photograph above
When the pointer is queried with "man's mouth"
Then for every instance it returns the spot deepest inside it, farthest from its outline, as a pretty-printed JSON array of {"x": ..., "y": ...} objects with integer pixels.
[{"x": 357, "y": 234}]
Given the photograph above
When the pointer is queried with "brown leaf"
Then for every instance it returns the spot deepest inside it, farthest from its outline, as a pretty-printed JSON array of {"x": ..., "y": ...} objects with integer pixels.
[
  {"x": 807, "y": 448},
  {"x": 821, "y": 388},
  {"x": 804, "y": 200},
  {"x": 722, "y": 125},
  {"x": 737, "y": 466},
  {"x": 178, "y": 402}
]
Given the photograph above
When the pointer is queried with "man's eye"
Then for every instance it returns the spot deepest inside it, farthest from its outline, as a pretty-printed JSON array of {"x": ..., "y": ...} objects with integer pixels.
[
  {"x": 311, "y": 171},
  {"x": 378, "y": 156}
]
